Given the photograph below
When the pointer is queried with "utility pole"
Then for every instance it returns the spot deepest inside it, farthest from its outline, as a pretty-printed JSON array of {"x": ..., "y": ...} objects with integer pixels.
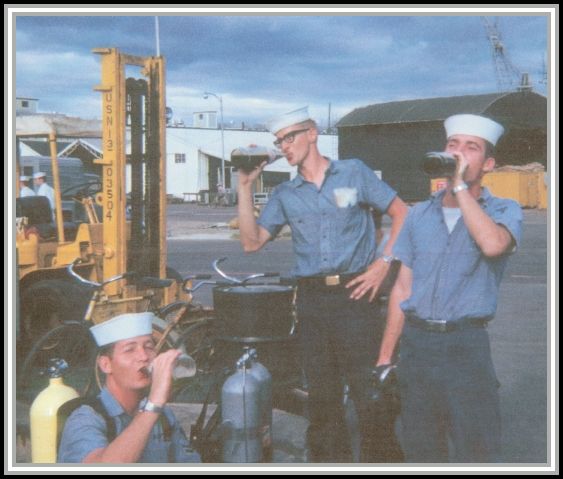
[{"x": 220, "y": 98}]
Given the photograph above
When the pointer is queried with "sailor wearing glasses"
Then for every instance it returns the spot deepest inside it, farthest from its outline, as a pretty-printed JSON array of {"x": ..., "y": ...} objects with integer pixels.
[{"x": 328, "y": 206}]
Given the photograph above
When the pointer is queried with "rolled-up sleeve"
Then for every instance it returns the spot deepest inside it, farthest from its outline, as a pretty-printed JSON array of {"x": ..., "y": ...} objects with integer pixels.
[
  {"x": 403, "y": 248},
  {"x": 508, "y": 213},
  {"x": 374, "y": 192}
]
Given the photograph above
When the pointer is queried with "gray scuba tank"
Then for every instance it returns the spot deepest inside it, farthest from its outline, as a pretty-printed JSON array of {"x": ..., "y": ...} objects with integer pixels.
[
  {"x": 246, "y": 411},
  {"x": 264, "y": 378}
]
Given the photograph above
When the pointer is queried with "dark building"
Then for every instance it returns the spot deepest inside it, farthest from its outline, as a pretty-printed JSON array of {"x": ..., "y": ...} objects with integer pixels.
[{"x": 393, "y": 137}]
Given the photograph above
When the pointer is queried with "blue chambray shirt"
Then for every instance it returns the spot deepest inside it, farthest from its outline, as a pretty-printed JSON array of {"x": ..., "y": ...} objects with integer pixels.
[
  {"x": 328, "y": 238},
  {"x": 452, "y": 279},
  {"x": 85, "y": 430}
]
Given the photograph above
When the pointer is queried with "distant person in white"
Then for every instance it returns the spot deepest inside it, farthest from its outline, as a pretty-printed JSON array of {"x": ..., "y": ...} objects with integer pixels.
[
  {"x": 43, "y": 189},
  {"x": 221, "y": 195},
  {"x": 25, "y": 190}
]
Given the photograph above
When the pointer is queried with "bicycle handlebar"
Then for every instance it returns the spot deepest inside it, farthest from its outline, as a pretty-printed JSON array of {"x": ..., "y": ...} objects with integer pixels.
[
  {"x": 259, "y": 275},
  {"x": 230, "y": 279},
  {"x": 204, "y": 277},
  {"x": 222, "y": 274},
  {"x": 75, "y": 275},
  {"x": 145, "y": 281}
]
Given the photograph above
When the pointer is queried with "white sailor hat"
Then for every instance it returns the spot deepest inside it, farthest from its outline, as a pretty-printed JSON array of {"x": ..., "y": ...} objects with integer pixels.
[
  {"x": 124, "y": 326},
  {"x": 39, "y": 174},
  {"x": 474, "y": 125},
  {"x": 287, "y": 119},
  {"x": 24, "y": 178}
]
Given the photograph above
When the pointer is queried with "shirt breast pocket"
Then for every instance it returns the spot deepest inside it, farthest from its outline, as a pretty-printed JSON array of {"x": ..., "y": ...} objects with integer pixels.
[{"x": 346, "y": 219}]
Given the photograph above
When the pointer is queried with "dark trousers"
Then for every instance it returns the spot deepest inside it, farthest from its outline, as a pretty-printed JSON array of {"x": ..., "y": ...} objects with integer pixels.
[
  {"x": 448, "y": 390},
  {"x": 340, "y": 341}
]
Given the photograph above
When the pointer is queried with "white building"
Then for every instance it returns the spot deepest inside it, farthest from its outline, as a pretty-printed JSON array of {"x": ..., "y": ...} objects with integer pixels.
[
  {"x": 193, "y": 154},
  {"x": 205, "y": 119},
  {"x": 194, "y": 158},
  {"x": 26, "y": 106}
]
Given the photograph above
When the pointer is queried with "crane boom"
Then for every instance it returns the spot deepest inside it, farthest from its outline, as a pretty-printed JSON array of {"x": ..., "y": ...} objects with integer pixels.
[{"x": 507, "y": 75}]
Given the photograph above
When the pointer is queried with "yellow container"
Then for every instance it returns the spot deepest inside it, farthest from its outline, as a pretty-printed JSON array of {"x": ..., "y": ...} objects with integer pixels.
[
  {"x": 543, "y": 198},
  {"x": 529, "y": 189},
  {"x": 521, "y": 186},
  {"x": 43, "y": 420},
  {"x": 437, "y": 184}
]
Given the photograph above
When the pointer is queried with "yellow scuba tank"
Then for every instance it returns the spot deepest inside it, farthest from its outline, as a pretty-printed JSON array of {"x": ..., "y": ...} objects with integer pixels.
[{"x": 43, "y": 414}]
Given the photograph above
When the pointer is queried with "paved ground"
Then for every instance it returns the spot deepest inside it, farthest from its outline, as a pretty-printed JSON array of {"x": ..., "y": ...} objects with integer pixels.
[
  {"x": 519, "y": 334},
  {"x": 288, "y": 431}
]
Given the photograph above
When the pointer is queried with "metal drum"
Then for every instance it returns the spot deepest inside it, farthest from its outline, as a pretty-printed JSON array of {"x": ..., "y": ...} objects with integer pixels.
[
  {"x": 261, "y": 316},
  {"x": 255, "y": 313}
]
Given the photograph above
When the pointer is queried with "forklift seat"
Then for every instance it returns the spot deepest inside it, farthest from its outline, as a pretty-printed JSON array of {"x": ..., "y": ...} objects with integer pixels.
[{"x": 37, "y": 209}]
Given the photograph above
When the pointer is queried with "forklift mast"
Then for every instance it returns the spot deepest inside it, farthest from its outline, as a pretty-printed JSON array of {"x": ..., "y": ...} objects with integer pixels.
[{"x": 133, "y": 118}]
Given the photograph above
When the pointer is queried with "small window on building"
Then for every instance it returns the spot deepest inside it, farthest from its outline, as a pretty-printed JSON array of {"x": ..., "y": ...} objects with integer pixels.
[
  {"x": 179, "y": 157},
  {"x": 25, "y": 104}
]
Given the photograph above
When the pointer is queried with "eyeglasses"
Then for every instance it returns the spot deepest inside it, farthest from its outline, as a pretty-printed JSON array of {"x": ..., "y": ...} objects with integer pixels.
[{"x": 289, "y": 138}]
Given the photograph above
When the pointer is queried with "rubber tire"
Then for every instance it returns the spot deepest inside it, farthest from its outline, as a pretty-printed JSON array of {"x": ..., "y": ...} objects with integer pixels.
[
  {"x": 199, "y": 341},
  {"x": 173, "y": 340},
  {"x": 50, "y": 303},
  {"x": 71, "y": 342}
]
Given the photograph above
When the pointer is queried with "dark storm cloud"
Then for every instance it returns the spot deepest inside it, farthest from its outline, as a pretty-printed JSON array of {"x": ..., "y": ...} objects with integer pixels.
[{"x": 263, "y": 64}]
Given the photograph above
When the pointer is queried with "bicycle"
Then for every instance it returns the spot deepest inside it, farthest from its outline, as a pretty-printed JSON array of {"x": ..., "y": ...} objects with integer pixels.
[
  {"x": 198, "y": 325},
  {"x": 73, "y": 342},
  {"x": 270, "y": 328},
  {"x": 183, "y": 325}
]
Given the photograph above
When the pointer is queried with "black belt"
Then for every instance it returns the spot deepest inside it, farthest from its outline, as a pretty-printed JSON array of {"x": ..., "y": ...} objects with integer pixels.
[
  {"x": 447, "y": 326},
  {"x": 326, "y": 281}
]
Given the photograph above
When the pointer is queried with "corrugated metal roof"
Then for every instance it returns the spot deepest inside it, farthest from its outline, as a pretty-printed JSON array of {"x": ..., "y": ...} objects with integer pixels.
[{"x": 427, "y": 109}]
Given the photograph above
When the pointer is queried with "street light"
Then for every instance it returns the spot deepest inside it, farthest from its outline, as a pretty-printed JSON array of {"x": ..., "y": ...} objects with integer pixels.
[{"x": 206, "y": 95}]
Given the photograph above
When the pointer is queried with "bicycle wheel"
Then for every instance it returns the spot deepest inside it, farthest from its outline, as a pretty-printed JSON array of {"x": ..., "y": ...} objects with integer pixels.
[
  {"x": 169, "y": 312},
  {"x": 190, "y": 313},
  {"x": 172, "y": 339},
  {"x": 71, "y": 342},
  {"x": 199, "y": 341}
]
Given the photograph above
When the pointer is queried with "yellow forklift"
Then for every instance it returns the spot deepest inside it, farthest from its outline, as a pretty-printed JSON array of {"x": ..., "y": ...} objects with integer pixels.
[{"x": 125, "y": 212}]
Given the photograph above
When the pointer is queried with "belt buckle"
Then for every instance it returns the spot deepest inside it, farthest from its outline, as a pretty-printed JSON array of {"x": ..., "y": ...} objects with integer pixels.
[
  {"x": 333, "y": 280},
  {"x": 439, "y": 326}
]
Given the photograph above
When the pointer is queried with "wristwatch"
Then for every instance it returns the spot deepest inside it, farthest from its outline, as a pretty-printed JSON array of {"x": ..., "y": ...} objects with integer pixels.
[
  {"x": 152, "y": 407},
  {"x": 388, "y": 258},
  {"x": 458, "y": 188}
]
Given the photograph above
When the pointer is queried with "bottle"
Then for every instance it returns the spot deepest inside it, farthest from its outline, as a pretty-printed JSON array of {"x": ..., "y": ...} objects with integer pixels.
[
  {"x": 184, "y": 367},
  {"x": 250, "y": 157},
  {"x": 439, "y": 164},
  {"x": 43, "y": 414}
]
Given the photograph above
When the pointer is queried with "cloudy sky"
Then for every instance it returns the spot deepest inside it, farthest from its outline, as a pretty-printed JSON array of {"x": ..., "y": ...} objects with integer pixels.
[{"x": 264, "y": 65}]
